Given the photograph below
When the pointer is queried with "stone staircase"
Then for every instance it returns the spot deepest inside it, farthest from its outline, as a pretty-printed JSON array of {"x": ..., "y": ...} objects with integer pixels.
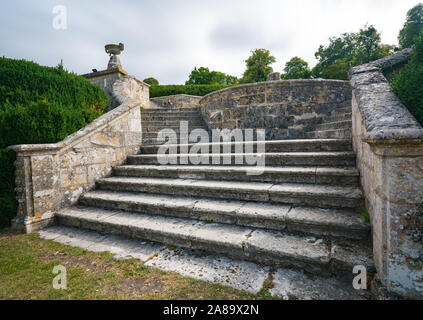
[
  {"x": 154, "y": 120},
  {"x": 301, "y": 213},
  {"x": 336, "y": 126}
]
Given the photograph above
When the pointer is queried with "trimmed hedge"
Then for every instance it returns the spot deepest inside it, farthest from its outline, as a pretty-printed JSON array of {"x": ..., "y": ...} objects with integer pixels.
[
  {"x": 194, "y": 90},
  {"x": 408, "y": 83},
  {"x": 39, "y": 105}
]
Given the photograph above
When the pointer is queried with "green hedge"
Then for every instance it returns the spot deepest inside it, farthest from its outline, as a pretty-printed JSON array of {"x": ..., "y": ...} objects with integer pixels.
[
  {"x": 39, "y": 105},
  {"x": 194, "y": 90},
  {"x": 408, "y": 83}
]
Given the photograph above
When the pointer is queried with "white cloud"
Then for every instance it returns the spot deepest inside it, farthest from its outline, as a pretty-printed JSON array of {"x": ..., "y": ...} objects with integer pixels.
[{"x": 167, "y": 38}]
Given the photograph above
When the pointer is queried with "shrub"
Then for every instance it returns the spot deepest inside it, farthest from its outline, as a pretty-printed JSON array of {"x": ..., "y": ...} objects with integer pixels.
[
  {"x": 194, "y": 90},
  {"x": 39, "y": 105},
  {"x": 408, "y": 83}
]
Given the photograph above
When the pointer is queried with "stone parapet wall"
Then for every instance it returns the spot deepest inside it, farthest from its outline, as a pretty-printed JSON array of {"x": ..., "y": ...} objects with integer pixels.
[
  {"x": 176, "y": 101},
  {"x": 389, "y": 145},
  {"x": 119, "y": 87},
  {"x": 286, "y": 109},
  {"x": 50, "y": 177}
]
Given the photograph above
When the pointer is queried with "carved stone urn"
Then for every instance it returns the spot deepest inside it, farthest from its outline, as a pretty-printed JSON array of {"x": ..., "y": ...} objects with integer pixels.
[{"x": 114, "y": 50}]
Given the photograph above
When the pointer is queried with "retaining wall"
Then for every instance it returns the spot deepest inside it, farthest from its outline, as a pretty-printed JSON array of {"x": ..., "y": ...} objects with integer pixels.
[{"x": 286, "y": 109}]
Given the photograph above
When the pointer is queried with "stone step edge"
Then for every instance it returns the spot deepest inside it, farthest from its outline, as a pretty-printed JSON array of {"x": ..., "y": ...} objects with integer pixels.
[
  {"x": 288, "y": 193},
  {"x": 344, "y": 224},
  {"x": 301, "y": 287},
  {"x": 309, "y": 175},
  {"x": 270, "y": 142},
  {"x": 266, "y": 247}
]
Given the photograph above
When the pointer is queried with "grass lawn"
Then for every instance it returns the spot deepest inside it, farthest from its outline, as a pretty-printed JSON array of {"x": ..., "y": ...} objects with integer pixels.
[{"x": 26, "y": 272}]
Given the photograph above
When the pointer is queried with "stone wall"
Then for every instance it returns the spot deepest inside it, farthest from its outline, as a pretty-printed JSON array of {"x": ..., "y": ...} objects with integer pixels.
[
  {"x": 389, "y": 146},
  {"x": 52, "y": 176},
  {"x": 286, "y": 109},
  {"x": 175, "y": 101}
]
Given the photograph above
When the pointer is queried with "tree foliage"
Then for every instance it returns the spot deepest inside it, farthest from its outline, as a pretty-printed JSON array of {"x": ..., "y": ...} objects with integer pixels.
[
  {"x": 258, "y": 66},
  {"x": 151, "y": 81},
  {"x": 296, "y": 68},
  {"x": 408, "y": 83},
  {"x": 39, "y": 105},
  {"x": 194, "y": 90},
  {"x": 203, "y": 75},
  {"x": 349, "y": 50},
  {"x": 412, "y": 26}
]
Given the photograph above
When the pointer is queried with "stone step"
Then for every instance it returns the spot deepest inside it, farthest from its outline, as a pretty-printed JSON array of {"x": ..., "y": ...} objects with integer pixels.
[
  {"x": 171, "y": 111},
  {"x": 270, "y": 146},
  {"x": 168, "y": 117},
  {"x": 333, "y": 159},
  {"x": 171, "y": 123},
  {"x": 309, "y": 175},
  {"x": 238, "y": 274},
  {"x": 330, "y": 134},
  {"x": 267, "y": 247},
  {"x": 335, "y": 125},
  {"x": 340, "y": 111},
  {"x": 153, "y": 131},
  {"x": 322, "y": 196},
  {"x": 340, "y": 117},
  {"x": 318, "y": 222}
]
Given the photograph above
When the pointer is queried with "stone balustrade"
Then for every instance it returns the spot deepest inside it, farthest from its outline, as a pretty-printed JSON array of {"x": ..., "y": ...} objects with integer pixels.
[
  {"x": 389, "y": 145},
  {"x": 50, "y": 177}
]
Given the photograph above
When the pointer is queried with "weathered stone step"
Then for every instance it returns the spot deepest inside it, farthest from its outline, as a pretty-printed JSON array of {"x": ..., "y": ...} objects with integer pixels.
[
  {"x": 157, "y": 117},
  {"x": 267, "y": 247},
  {"x": 335, "y": 125},
  {"x": 330, "y": 134},
  {"x": 171, "y": 111},
  {"x": 334, "y": 159},
  {"x": 340, "y": 117},
  {"x": 319, "y": 222},
  {"x": 171, "y": 123},
  {"x": 340, "y": 111},
  {"x": 241, "y": 275},
  {"x": 323, "y": 196},
  {"x": 309, "y": 175},
  {"x": 269, "y": 146}
]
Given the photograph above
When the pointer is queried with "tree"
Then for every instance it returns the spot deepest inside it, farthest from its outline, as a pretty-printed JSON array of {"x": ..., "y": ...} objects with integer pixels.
[
  {"x": 412, "y": 26},
  {"x": 151, "y": 81},
  {"x": 349, "y": 50},
  {"x": 258, "y": 66},
  {"x": 203, "y": 75},
  {"x": 296, "y": 68},
  {"x": 408, "y": 83}
]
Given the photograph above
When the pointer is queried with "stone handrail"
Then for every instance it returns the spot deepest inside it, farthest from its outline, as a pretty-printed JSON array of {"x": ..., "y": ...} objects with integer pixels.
[
  {"x": 384, "y": 116},
  {"x": 388, "y": 142},
  {"x": 50, "y": 177}
]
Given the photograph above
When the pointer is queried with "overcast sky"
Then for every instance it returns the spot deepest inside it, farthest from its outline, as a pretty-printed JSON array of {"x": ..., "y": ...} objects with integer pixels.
[{"x": 166, "y": 39}]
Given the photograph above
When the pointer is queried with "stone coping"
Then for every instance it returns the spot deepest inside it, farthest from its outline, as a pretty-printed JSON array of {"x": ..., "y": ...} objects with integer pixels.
[
  {"x": 385, "y": 117},
  {"x": 104, "y": 72},
  {"x": 277, "y": 82},
  {"x": 81, "y": 134}
]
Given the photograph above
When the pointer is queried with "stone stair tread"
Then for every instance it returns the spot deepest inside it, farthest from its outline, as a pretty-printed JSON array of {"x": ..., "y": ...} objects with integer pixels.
[
  {"x": 241, "y": 275},
  {"x": 257, "y": 245},
  {"x": 268, "y": 188},
  {"x": 282, "y": 154},
  {"x": 347, "y": 171},
  {"x": 233, "y": 210}
]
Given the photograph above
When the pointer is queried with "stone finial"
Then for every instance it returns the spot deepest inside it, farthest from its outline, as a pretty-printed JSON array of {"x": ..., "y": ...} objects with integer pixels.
[
  {"x": 114, "y": 50},
  {"x": 274, "y": 76}
]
